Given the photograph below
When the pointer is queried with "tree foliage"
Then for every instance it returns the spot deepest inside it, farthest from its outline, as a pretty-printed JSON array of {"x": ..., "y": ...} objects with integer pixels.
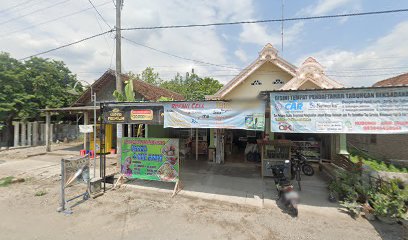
[
  {"x": 148, "y": 75},
  {"x": 192, "y": 87},
  {"x": 34, "y": 84}
]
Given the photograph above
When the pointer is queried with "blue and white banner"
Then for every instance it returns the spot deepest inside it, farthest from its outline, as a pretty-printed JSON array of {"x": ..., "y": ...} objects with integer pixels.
[
  {"x": 368, "y": 111},
  {"x": 215, "y": 114}
]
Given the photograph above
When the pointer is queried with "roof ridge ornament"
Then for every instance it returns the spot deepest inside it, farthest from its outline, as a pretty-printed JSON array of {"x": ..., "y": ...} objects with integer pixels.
[
  {"x": 310, "y": 68},
  {"x": 268, "y": 52}
]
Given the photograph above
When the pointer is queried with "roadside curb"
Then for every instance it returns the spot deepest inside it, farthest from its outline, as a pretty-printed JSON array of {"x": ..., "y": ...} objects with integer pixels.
[{"x": 254, "y": 201}]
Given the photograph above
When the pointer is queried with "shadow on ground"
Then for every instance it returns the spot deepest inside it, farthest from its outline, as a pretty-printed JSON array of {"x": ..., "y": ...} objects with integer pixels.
[{"x": 241, "y": 180}]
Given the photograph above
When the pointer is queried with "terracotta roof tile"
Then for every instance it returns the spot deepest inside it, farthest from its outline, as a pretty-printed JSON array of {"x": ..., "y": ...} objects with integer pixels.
[
  {"x": 394, "y": 81},
  {"x": 148, "y": 91}
]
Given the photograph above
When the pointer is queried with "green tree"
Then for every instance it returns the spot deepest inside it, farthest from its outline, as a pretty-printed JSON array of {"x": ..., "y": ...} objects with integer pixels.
[
  {"x": 192, "y": 87},
  {"x": 34, "y": 84},
  {"x": 148, "y": 75}
]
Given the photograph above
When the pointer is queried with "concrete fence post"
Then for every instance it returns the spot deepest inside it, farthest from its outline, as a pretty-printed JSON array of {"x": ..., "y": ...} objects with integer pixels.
[
  {"x": 23, "y": 134},
  {"x": 16, "y": 133},
  {"x": 29, "y": 133},
  {"x": 35, "y": 133},
  {"x": 47, "y": 131}
]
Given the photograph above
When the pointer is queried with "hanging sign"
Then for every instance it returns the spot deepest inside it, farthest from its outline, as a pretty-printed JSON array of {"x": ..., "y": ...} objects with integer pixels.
[
  {"x": 151, "y": 159},
  {"x": 146, "y": 114},
  {"x": 368, "y": 111},
  {"x": 115, "y": 116},
  {"x": 215, "y": 114},
  {"x": 85, "y": 128},
  {"x": 141, "y": 114}
]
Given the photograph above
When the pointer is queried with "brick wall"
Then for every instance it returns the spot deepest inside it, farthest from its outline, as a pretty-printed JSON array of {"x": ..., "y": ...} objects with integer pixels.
[{"x": 381, "y": 146}]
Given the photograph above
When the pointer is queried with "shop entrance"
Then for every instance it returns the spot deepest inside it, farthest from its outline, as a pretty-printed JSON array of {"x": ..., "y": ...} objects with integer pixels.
[
  {"x": 314, "y": 147},
  {"x": 241, "y": 146}
]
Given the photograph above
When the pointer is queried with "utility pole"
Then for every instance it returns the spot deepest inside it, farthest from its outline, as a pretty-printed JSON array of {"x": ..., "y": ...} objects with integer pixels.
[
  {"x": 119, "y": 131},
  {"x": 283, "y": 5}
]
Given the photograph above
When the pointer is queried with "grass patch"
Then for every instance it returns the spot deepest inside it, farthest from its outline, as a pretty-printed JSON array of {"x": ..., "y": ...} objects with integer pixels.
[
  {"x": 377, "y": 165},
  {"x": 40, "y": 193},
  {"x": 4, "y": 182}
]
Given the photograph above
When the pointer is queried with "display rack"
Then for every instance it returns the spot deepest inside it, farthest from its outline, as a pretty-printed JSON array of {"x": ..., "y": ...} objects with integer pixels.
[
  {"x": 310, "y": 149},
  {"x": 274, "y": 152}
]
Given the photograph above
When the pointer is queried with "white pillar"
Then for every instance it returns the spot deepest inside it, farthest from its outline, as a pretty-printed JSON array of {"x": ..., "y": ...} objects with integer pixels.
[
  {"x": 86, "y": 122},
  {"x": 35, "y": 133},
  {"x": 16, "y": 133},
  {"x": 23, "y": 134},
  {"x": 42, "y": 133},
  {"x": 47, "y": 131},
  {"x": 51, "y": 132},
  {"x": 29, "y": 133},
  {"x": 129, "y": 130}
]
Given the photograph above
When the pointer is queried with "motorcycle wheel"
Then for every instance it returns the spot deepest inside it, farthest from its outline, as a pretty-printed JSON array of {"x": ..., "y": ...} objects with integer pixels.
[
  {"x": 295, "y": 212},
  {"x": 298, "y": 179},
  {"x": 250, "y": 157},
  {"x": 308, "y": 170},
  {"x": 294, "y": 209}
]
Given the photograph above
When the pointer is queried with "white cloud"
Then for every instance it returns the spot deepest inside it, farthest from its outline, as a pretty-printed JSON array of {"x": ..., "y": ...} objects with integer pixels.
[
  {"x": 89, "y": 59},
  {"x": 259, "y": 34},
  {"x": 379, "y": 60},
  {"x": 241, "y": 55},
  {"x": 322, "y": 7}
]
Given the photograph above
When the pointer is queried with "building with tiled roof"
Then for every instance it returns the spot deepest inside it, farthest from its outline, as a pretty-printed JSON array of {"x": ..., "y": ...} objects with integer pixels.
[
  {"x": 399, "y": 80},
  {"x": 105, "y": 86}
]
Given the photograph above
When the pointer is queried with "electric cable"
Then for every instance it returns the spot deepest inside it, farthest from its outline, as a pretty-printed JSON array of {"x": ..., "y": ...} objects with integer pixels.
[
  {"x": 35, "y": 11},
  {"x": 269, "y": 20},
  {"x": 100, "y": 15}
]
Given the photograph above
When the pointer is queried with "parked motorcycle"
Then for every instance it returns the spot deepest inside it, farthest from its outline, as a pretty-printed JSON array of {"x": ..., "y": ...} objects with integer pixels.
[
  {"x": 252, "y": 153},
  {"x": 286, "y": 191},
  {"x": 299, "y": 160},
  {"x": 295, "y": 171}
]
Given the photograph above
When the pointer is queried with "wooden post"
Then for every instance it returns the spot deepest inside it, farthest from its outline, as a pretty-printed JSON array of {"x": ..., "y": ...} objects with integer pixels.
[
  {"x": 47, "y": 131},
  {"x": 196, "y": 144}
]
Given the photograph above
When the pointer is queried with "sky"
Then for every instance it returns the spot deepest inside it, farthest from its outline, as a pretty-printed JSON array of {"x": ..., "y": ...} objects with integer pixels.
[{"x": 356, "y": 51}]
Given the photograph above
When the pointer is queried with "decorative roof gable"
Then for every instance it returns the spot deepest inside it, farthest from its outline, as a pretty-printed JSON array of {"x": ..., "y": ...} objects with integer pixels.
[
  {"x": 267, "y": 54},
  {"x": 312, "y": 71}
]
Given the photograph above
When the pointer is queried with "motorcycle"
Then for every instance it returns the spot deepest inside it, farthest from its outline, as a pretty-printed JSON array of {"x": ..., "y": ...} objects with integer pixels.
[
  {"x": 286, "y": 191},
  {"x": 299, "y": 160}
]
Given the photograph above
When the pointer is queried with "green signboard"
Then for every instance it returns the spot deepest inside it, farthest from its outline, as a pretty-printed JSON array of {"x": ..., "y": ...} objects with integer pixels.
[{"x": 151, "y": 158}]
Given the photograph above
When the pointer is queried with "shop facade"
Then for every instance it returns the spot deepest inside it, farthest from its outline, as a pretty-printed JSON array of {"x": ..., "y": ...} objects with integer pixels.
[{"x": 270, "y": 72}]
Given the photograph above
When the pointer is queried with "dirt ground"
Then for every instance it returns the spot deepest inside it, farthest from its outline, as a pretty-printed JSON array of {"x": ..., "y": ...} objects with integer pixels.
[{"x": 128, "y": 213}]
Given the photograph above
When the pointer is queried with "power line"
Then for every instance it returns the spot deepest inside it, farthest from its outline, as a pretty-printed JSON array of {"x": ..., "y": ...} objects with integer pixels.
[
  {"x": 53, "y": 20},
  {"x": 100, "y": 15},
  {"x": 209, "y": 24},
  {"x": 38, "y": 10},
  {"x": 69, "y": 44},
  {"x": 176, "y": 56},
  {"x": 17, "y": 5},
  {"x": 269, "y": 20}
]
